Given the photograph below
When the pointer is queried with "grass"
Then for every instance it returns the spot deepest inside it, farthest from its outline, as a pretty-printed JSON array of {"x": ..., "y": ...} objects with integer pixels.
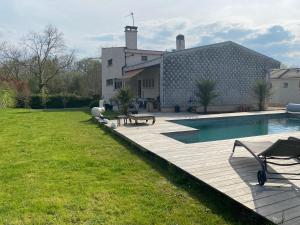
[{"x": 57, "y": 167}]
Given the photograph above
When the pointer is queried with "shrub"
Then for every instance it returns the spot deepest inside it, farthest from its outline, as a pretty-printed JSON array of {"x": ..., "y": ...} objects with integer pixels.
[
  {"x": 36, "y": 102},
  {"x": 60, "y": 101},
  {"x": 7, "y": 97},
  {"x": 17, "y": 89},
  {"x": 262, "y": 92},
  {"x": 124, "y": 96},
  {"x": 206, "y": 92},
  {"x": 94, "y": 103}
]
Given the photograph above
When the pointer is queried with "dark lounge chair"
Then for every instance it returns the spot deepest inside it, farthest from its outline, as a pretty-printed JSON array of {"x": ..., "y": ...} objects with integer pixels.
[
  {"x": 145, "y": 117},
  {"x": 264, "y": 151}
]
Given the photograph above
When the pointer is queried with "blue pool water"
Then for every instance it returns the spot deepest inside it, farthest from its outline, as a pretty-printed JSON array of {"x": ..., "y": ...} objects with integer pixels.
[{"x": 235, "y": 127}]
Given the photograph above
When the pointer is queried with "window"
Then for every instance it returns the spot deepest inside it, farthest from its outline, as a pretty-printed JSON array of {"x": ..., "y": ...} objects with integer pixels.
[
  {"x": 109, "y": 82},
  {"x": 148, "y": 83},
  {"x": 285, "y": 85},
  {"x": 109, "y": 62},
  {"x": 144, "y": 58},
  {"x": 118, "y": 84}
]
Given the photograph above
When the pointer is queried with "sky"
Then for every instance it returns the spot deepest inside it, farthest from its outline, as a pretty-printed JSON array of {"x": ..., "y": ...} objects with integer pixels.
[{"x": 269, "y": 27}]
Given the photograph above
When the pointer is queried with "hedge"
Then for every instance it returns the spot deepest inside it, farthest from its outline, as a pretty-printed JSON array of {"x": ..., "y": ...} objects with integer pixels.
[{"x": 59, "y": 101}]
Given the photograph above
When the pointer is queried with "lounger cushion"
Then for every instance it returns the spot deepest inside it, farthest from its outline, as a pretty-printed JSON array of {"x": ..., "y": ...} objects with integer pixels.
[
  {"x": 286, "y": 148},
  {"x": 256, "y": 147}
]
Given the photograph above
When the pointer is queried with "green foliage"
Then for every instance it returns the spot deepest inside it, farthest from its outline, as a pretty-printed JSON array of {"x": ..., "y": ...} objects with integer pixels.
[
  {"x": 206, "y": 92},
  {"x": 109, "y": 114},
  {"x": 59, "y": 168},
  {"x": 60, "y": 101},
  {"x": 262, "y": 92},
  {"x": 124, "y": 97},
  {"x": 7, "y": 97},
  {"x": 94, "y": 103}
]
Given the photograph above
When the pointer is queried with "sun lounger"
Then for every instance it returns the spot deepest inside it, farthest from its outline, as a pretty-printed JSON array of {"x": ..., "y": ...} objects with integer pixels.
[
  {"x": 264, "y": 151},
  {"x": 144, "y": 117}
]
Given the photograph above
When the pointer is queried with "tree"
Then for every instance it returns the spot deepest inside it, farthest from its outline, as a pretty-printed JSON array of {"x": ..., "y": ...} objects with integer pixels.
[
  {"x": 91, "y": 76},
  {"x": 262, "y": 92},
  {"x": 124, "y": 96},
  {"x": 206, "y": 92},
  {"x": 11, "y": 61},
  {"x": 46, "y": 57}
]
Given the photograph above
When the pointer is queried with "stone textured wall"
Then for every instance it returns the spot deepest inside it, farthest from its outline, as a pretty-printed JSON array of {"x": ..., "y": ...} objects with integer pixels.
[{"x": 234, "y": 68}]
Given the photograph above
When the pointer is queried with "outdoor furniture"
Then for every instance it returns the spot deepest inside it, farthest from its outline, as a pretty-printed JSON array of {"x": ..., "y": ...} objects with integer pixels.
[
  {"x": 143, "y": 117},
  {"x": 133, "y": 108},
  {"x": 119, "y": 118},
  {"x": 264, "y": 151}
]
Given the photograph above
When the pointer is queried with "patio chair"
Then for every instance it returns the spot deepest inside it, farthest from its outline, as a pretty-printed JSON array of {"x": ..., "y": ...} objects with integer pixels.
[
  {"x": 264, "y": 151},
  {"x": 133, "y": 108}
]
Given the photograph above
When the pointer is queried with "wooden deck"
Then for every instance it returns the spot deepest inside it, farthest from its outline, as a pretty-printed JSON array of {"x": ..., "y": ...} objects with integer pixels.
[{"x": 213, "y": 163}]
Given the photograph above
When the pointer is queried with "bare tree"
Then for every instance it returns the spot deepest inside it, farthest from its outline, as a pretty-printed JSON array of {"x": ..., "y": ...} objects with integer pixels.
[
  {"x": 11, "y": 61},
  {"x": 46, "y": 55}
]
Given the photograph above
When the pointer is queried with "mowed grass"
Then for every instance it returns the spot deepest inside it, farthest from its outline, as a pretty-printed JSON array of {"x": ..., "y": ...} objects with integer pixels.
[{"x": 57, "y": 167}]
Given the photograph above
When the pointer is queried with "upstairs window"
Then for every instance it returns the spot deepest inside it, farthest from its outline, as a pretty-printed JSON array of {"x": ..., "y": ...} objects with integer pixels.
[
  {"x": 118, "y": 84},
  {"x": 144, "y": 58},
  {"x": 109, "y": 62},
  {"x": 109, "y": 82},
  {"x": 285, "y": 85}
]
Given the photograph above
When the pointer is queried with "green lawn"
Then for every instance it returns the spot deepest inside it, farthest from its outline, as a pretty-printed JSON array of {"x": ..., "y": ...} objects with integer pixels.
[{"x": 57, "y": 167}]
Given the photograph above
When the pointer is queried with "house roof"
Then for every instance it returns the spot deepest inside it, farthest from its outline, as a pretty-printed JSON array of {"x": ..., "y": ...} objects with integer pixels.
[
  {"x": 158, "y": 60},
  {"x": 132, "y": 73},
  {"x": 285, "y": 73},
  {"x": 216, "y": 45},
  {"x": 145, "y": 64}
]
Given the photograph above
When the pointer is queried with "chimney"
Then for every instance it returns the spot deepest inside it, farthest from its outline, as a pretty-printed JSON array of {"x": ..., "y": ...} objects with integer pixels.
[
  {"x": 131, "y": 37},
  {"x": 180, "y": 44}
]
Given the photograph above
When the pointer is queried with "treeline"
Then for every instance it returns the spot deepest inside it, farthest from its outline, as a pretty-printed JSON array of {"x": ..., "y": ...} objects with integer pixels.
[{"x": 41, "y": 67}]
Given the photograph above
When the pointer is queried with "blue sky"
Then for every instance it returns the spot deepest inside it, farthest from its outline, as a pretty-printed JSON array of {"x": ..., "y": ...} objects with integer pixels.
[{"x": 269, "y": 27}]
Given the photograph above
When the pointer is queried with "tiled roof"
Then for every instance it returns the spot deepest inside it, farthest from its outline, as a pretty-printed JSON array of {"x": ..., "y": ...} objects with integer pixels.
[{"x": 285, "y": 73}]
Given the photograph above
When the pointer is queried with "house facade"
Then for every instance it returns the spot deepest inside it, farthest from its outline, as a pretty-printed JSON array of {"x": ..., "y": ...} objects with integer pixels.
[
  {"x": 170, "y": 77},
  {"x": 115, "y": 60},
  {"x": 285, "y": 86}
]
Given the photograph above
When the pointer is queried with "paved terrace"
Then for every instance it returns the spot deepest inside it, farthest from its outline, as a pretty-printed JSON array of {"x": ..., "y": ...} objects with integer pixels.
[{"x": 214, "y": 164}]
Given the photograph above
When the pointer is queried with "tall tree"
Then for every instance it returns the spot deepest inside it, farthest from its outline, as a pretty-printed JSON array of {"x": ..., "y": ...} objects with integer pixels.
[
  {"x": 90, "y": 68},
  {"x": 47, "y": 56},
  {"x": 11, "y": 61}
]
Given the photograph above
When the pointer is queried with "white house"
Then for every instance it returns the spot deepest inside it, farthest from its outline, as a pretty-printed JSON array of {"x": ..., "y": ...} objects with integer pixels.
[
  {"x": 285, "y": 86},
  {"x": 116, "y": 59},
  {"x": 168, "y": 79}
]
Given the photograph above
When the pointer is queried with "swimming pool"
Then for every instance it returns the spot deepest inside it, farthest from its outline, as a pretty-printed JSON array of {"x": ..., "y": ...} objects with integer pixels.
[{"x": 213, "y": 129}]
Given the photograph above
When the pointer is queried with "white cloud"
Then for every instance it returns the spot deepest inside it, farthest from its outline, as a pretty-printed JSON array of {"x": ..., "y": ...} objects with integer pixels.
[{"x": 90, "y": 24}]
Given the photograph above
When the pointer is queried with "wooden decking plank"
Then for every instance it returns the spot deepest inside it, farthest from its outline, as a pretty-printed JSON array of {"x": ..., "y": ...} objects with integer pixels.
[{"x": 214, "y": 164}]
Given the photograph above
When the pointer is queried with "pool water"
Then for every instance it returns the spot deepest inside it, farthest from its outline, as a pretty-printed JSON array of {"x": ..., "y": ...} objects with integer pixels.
[{"x": 235, "y": 127}]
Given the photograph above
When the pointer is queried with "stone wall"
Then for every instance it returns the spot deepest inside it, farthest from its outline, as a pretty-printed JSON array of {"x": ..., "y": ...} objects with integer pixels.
[{"x": 234, "y": 68}]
